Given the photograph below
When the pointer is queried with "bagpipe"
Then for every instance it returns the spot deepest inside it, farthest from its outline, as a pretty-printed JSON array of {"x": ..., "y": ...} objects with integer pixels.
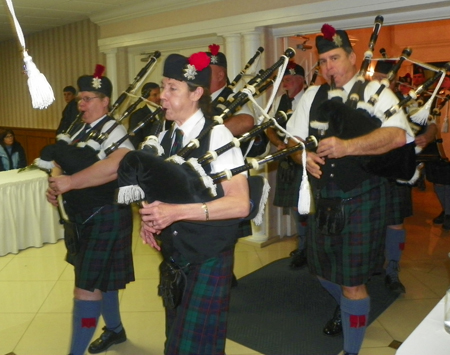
[
  {"x": 143, "y": 175},
  {"x": 76, "y": 157},
  {"x": 351, "y": 117},
  {"x": 219, "y": 101},
  {"x": 255, "y": 86}
]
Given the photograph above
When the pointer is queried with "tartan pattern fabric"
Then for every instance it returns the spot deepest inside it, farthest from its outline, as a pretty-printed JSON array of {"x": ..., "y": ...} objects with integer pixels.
[
  {"x": 105, "y": 260},
  {"x": 400, "y": 205},
  {"x": 351, "y": 258},
  {"x": 286, "y": 194},
  {"x": 199, "y": 324}
]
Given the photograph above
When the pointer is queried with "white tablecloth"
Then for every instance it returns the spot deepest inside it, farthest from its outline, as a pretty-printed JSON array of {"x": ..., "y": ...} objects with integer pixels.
[
  {"x": 26, "y": 218},
  {"x": 429, "y": 338}
]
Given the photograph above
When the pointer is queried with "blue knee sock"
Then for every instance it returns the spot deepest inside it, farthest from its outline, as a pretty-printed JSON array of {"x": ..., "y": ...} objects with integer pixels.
[
  {"x": 332, "y": 288},
  {"x": 84, "y": 322},
  {"x": 110, "y": 311},
  {"x": 355, "y": 318},
  {"x": 395, "y": 243}
]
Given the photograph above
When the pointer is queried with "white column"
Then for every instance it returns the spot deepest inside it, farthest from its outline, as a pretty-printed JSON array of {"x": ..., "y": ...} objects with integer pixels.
[
  {"x": 111, "y": 70},
  {"x": 233, "y": 54}
]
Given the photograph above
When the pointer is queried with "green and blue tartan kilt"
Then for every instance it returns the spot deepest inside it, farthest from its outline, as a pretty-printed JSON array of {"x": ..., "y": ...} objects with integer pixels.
[
  {"x": 105, "y": 260},
  {"x": 352, "y": 257},
  {"x": 400, "y": 205},
  {"x": 199, "y": 324},
  {"x": 286, "y": 193}
]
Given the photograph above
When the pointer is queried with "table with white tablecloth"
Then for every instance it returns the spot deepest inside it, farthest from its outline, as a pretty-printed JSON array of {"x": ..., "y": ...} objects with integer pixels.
[
  {"x": 430, "y": 337},
  {"x": 27, "y": 219}
]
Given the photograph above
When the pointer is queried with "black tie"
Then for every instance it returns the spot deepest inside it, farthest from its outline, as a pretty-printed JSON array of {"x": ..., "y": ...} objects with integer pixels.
[
  {"x": 83, "y": 133},
  {"x": 178, "y": 142}
]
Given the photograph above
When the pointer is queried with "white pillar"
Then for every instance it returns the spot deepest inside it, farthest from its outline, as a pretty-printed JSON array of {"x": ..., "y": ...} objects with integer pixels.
[
  {"x": 111, "y": 71},
  {"x": 233, "y": 54}
]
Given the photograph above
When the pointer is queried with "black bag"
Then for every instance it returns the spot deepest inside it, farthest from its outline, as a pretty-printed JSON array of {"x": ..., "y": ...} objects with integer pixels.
[
  {"x": 172, "y": 283},
  {"x": 330, "y": 215},
  {"x": 259, "y": 146},
  {"x": 286, "y": 170},
  {"x": 72, "y": 237}
]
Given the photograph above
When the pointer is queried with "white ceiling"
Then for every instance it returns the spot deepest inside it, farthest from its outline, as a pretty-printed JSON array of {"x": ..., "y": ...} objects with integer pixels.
[{"x": 38, "y": 15}]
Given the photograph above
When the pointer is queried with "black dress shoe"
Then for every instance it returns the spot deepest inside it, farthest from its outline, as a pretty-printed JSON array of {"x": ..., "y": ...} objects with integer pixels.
[
  {"x": 107, "y": 339},
  {"x": 439, "y": 219},
  {"x": 298, "y": 259},
  {"x": 334, "y": 325},
  {"x": 393, "y": 284}
]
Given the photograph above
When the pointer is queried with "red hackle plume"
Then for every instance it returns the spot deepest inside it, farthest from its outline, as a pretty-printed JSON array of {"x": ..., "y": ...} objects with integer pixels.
[
  {"x": 199, "y": 60},
  {"x": 214, "y": 49},
  {"x": 328, "y": 31},
  {"x": 99, "y": 70}
]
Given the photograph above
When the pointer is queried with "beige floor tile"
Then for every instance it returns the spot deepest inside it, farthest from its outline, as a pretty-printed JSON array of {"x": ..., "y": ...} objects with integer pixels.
[
  {"x": 146, "y": 266},
  {"x": 245, "y": 263},
  {"x": 37, "y": 267},
  {"x": 403, "y": 316},
  {"x": 376, "y": 336},
  {"x": 23, "y": 297},
  {"x": 60, "y": 298},
  {"x": 141, "y": 296},
  {"x": 48, "y": 334},
  {"x": 377, "y": 351},
  {"x": 12, "y": 328},
  {"x": 4, "y": 260},
  {"x": 233, "y": 348},
  {"x": 145, "y": 333}
]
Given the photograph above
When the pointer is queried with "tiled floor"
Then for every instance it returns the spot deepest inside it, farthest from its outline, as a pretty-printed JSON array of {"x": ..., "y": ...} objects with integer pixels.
[{"x": 36, "y": 292}]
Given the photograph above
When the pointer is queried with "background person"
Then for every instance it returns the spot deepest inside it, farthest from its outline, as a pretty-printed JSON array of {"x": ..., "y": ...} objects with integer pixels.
[
  {"x": 289, "y": 173},
  {"x": 12, "y": 154},
  {"x": 70, "y": 112},
  {"x": 103, "y": 261},
  {"x": 154, "y": 93}
]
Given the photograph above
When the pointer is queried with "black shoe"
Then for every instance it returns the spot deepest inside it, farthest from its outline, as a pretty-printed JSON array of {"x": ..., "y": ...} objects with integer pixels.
[
  {"x": 107, "y": 339},
  {"x": 298, "y": 259},
  {"x": 393, "y": 284},
  {"x": 334, "y": 325},
  {"x": 439, "y": 219}
]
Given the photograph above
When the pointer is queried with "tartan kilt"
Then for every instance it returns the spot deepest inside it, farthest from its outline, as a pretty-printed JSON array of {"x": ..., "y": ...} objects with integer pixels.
[
  {"x": 351, "y": 258},
  {"x": 286, "y": 193},
  {"x": 105, "y": 260},
  {"x": 400, "y": 206},
  {"x": 199, "y": 324}
]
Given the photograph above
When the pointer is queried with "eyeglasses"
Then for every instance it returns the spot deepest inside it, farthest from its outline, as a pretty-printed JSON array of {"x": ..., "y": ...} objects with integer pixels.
[
  {"x": 9, "y": 136},
  {"x": 88, "y": 98}
]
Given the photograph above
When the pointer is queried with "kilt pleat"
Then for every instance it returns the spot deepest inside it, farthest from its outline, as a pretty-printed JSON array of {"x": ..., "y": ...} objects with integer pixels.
[
  {"x": 286, "y": 193},
  {"x": 105, "y": 260},
  {"x": 199, "y": 324},
  {"x": 352, "y": 257},
  {"x": 400, "y": 206}
]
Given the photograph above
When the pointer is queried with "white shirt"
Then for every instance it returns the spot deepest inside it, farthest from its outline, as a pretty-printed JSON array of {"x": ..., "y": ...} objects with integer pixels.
[
  {"x": 298, "y": 125},
  {"x": 117, "y": 133},
  {"x": 220, "y": 135}
]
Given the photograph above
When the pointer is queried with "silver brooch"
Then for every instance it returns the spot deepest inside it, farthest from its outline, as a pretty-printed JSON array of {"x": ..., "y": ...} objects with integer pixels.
[
  {"x": 190, "y": 72},
  {"x": 214, "y": 59},
  {"x": 96, "y": 83}
]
